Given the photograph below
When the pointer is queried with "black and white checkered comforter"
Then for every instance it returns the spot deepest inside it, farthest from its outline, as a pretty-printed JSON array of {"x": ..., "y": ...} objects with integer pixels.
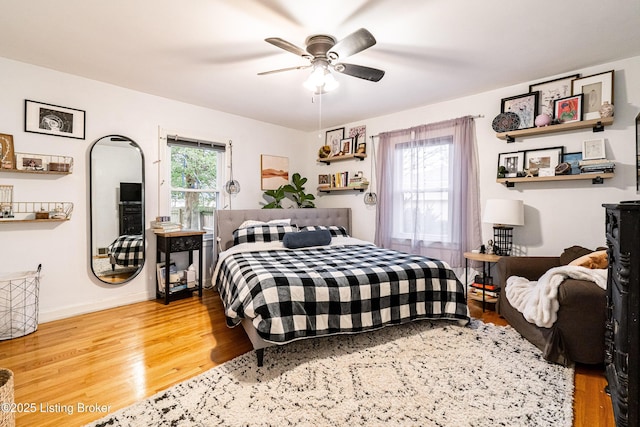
[
  {"x": 292, "y": 294},
  {"x": 127, "y": 250}
]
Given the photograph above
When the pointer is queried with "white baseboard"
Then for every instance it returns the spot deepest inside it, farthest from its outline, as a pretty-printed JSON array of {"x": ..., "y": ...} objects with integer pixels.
[{"x": 70, "y": 311}]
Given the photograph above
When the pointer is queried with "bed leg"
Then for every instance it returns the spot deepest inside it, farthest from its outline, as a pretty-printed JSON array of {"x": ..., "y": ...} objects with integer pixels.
[{"x": 260, "y": 356}]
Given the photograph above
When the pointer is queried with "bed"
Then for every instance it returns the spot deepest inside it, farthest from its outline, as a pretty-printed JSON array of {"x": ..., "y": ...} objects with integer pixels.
[
  {"x": 280, "y": 294},
  {"x": 127, "y": 251}
]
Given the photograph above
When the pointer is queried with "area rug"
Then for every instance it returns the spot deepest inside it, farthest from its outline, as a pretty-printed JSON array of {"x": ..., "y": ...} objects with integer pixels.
[{"x": 419, "y": 374}]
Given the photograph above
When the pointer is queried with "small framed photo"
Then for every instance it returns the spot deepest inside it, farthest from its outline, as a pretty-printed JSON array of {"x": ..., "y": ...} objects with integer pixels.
[
  {"x": 596, "y": 89},
  {"x": 7, "y": 154},
  {"x": 593, "y": 149},
  {"x": 53, "y": 120},
  {"x": 512, "y": 162},
  {"x": 544, "y": 160},
  {"x": 552, "y": 90},
  {"x": 324, "y": 180},
  {"x": 31, "y": 162},
  {"x": 568, "y": 109},
  {"x": 574, "y": 160},
  {"x": 333, "y": 139},
  {"x": 525, "y": 106},
  {"x": 347, "y": 145},
  {"x": 362, "y": 148}
]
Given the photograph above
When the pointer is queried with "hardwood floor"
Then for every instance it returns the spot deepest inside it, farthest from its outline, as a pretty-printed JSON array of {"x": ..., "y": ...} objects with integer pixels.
[{"x": 70, "y": 371}]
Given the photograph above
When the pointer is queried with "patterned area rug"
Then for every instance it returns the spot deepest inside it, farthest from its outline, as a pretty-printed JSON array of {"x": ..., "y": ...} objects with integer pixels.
[{"x": 420, "y": 374}]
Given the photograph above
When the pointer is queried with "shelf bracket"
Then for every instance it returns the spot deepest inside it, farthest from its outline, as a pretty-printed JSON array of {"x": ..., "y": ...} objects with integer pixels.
[
  {"x": 509, "y": 138},
  {"x": 597, "y": 180},
  {"x": 598, "y": 127},
  {"x": 509, "y": 184}
]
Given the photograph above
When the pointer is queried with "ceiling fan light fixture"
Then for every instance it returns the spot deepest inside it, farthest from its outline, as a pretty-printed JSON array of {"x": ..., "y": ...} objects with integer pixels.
[{"x": 321, "y": 80}]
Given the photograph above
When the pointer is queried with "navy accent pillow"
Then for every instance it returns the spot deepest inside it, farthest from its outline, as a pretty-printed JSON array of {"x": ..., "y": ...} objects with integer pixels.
[{"x": 304, "y": 239}]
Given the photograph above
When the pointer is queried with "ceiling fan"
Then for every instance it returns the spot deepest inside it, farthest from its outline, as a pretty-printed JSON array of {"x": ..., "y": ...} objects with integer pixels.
[{"x": 325, "y": 53}]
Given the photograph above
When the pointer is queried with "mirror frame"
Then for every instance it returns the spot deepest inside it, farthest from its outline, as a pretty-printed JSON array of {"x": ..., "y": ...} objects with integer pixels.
[
  {"x": 638, "y": 153},
  {"x": 93, "y": 227}
]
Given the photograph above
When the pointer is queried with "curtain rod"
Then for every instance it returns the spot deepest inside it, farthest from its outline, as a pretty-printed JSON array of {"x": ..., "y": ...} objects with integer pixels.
[{"x": 477, "y": 116}]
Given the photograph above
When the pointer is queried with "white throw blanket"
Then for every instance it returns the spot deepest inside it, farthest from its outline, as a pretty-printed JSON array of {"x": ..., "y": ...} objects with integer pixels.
[{"x": 538, "y": 301}]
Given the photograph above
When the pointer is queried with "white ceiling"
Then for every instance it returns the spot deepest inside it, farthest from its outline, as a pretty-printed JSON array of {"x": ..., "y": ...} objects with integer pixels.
[{"x": 208, "y": 52}]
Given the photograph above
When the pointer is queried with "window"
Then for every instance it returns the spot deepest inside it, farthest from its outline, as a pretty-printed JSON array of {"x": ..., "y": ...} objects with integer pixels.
[
  {"x": 422, "y": 190},
  {"x": 428, "y": 201},
  {"x": 197, "y": 170}
]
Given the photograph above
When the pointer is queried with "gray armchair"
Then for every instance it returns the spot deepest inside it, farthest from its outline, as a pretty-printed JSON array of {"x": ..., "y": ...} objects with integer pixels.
[{"x": 578, "y": 334}]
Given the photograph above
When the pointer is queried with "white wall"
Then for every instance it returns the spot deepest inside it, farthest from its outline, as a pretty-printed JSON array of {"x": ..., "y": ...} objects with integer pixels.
[
  {"x": 557, "y": 214},
  {"x": 68, "y": 286}
]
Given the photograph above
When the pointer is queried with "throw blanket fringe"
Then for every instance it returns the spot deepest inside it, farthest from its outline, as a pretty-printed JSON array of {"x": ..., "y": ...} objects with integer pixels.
[{"x": 538, "y": 300}]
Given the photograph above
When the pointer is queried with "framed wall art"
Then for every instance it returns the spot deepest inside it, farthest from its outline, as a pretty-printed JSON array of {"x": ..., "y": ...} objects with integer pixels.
[
  {"x": 512, "y": 162},
  {"x": 274, "y": 171},
  {"x": 347, "y": 146},
  {"x": 7, "y": 154},
  {"x": 333, "y": 139},
  {"x": 525, "y": 106},
  {"x": 596, "y": 89},
  {"x": 358, "y": 133},
  {"x": 593, "y": 149},
  {"x": 551, "y": 90},
  {"x": 543, "y": 161},
  {"x": 574, "y": 161},
  {"x": 568, "y": 109},
  {"x": 53, "y": 120}
]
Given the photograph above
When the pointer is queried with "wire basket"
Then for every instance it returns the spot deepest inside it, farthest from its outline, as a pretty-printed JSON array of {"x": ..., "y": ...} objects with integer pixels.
[
  {"x": 19, "y": 303},
  {"x": 7, "y": 416}
]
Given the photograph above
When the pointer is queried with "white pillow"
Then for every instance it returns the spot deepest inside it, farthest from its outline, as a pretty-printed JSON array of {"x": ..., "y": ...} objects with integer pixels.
[{"x": 252, "y": 223}]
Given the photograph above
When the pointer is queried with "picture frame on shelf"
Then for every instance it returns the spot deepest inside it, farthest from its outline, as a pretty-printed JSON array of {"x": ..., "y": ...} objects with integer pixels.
[
  {"x": 552, "y": 90},
  {"x": 362, "y": 148},
  {"x": 333, "y": 138},
  {"x": 31, "y": 162},
  {"x": 525, "y": 106},
  {"x": 574, "y": 161},
  {"x": 7, "y": 153},
  {"x": 569, "y": 109},
  {"x": 593, "y": 149},
  {"x": 324, "y": 180},
  {"x": 596, "y": 88},
  {"x": 513, "y": 163},
  {"x": 359, "y": 134},
  {"x": 55, "y": 120},
  {"x": 543, "y": 160},
  {"x": 347, "y": 145}
]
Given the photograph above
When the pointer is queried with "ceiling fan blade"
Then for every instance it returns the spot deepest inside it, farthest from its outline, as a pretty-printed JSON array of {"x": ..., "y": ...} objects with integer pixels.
[
  {"x": 359, "y": 71},
  {"x": 289, "y": 47},
  {"x": 352, "y": 44},
  {"x": 300, "y": 67}
]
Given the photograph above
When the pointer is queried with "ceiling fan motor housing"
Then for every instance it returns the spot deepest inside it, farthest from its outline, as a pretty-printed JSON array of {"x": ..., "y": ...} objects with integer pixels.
[{"x": 319, "y": 45}]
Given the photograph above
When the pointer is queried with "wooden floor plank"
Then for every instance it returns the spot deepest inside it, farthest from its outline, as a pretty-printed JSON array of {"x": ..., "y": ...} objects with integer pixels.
[{"x": 118, "y": 356}]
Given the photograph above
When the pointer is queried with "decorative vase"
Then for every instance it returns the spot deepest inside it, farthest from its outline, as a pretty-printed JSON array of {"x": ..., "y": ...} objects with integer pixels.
[
  {"x": 606, "y": 110},
  {"x": 542, "y": 120}
]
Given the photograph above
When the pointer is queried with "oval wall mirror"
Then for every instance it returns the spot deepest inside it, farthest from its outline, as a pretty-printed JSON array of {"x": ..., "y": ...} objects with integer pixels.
[{"x": 117, "y": 209}]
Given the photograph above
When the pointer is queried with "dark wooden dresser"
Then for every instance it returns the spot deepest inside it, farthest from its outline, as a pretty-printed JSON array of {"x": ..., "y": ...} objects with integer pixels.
[{"x": 622, "y": 333}]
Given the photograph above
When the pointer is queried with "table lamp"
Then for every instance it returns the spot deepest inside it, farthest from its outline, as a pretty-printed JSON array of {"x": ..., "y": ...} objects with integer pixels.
[{"x": 503, "y": 213}]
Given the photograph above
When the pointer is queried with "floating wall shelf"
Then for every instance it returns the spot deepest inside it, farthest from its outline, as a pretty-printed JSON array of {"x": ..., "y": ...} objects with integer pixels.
[
  {"x": 596, "y": 124},
  {"x": 328, "y": 160},
  {"x": 596, "y": 178}
]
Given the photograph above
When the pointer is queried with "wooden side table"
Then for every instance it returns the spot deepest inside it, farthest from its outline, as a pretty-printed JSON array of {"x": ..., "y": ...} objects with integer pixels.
[
  {"x": 178, "y": 241},
  {"x": 486, "y": 260}
]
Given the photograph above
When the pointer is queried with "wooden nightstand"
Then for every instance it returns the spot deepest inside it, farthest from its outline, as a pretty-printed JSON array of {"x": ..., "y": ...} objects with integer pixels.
[
  {"x": 178, "y": 241},
  {"x": 486, "y": 260}
]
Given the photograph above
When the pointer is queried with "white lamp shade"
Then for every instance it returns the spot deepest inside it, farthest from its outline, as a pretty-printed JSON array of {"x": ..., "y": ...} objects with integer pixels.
[{"x": 504, "y": 212}]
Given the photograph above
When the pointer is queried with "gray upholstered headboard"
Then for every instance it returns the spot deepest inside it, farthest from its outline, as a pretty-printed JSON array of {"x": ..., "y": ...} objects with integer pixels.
[{"x": 229, "y": 220}]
